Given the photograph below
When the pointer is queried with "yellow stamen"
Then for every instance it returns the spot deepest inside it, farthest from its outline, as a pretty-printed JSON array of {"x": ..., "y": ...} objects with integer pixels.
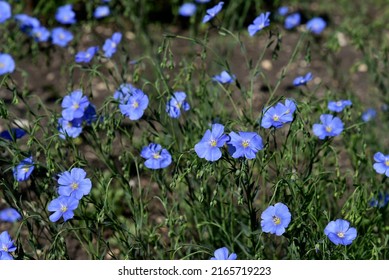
[
  {"x": 340, "y": 234},
  {"x": 64, "y": 208},
  {"x": 25, "y": 169},
  {"x": 61, "y": 36},
  {"x": 76, "y": 105},
  {"x": 213, "y": 143},
  {"x": 135, "y": 104},
  {"x": 276, "y": 118},
  {"x": 276, "y": 220},
  {"x": 328, "y": 128},
  {"x": 387, "y": 162},
  {"x": 5, "y": 248},
  {"x": 339, "y": 103},
  {"x": 74, "y": 186},
  {"x": 156, "y": 156},
  {"x": 245, "y": 143}
]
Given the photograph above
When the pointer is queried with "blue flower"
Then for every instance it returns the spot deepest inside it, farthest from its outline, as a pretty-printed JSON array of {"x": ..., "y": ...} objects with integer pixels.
[
  {"x": 40, "y": 34},
  {"x": 26, "y": 22},
  {"x": 13, "y": 134},
  {"x": 381, "y": 165},
  {"x": 101, "y": 11},
  {"x": 223, "y": 254},
  {"x": 86, "y": 56},
  {"x": 244, "y": 144},
  {"x": 23, "y": 170},
  {"x": 338, "y": 106},
  {"x": 224, "y": 78},
  {"x": 210, "y": 144},
  {"x": 61, "y": 37},
  {"x": 7, "y": 64},
  {"x": 71, "y": 128},
  {"x": 330, "y": 126},
  {"x": 9, "y": 215},
  {"x": 369, "y": 114},
  {"x": 292, "y": 20},
  {"x": 74, "y": 105},
  {"x": 63, "y": 206},
  {"x": 316, "y": 25},
  {"x": 135, "y": 106},
  {"x": 275, "y": 219},
  {"x": 73, "y": 183},
  {"x": 110, "y": 45},
  {"x": 259, "y": 23},
  {"x": 174, "y": 105},
  {"x": 187, "y": 10},
  {"x": 65, "y": 14},
  {"x": 380, "y": 201},
  {"x": 123, "y": 93},
  {"x": 278, "y": 115},
  {"x": 340, "y": 232},
  {"x": 90, "y": 114},
  {"x": 5, "y": 11},
  {"x": 155, "y": 156},
  {"x": 282, "y": 11},
  {"x": 211, "y": 13},
  {"x": 6, "y": 246},
  {"x": 302, "y": 80}
]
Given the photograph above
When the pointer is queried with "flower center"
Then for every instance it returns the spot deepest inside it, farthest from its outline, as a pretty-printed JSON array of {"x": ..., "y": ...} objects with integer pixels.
[
  {"x": 340, "y": 234},
  {"x": 69, "y": 125},
  {"x": 61, "y": 36},
  {"x": 276, "y": 220},
  {"x": 2, "y": 65},
  {"x": 135, "y": 104},
  {"x": 25, "y": 169},
  {"x": 276, "y": 118},
  {"x": 245, "y": 143},
  {"x": 113, "y": 45},
  {"x": 156, "y": 155},
  {"x": 339, "y": 103},
  {"x": 328, "y": 128},
  {"x": 74, "y": 186},
  {"x": 38, "y": 34},
  {"x": 387, "y": 162},
  {"x": 213, "y": 143},
  {"x": 5, "y": 248},
  {"x": 76, "y": 105},
  {"x": 64, "y": 208}
]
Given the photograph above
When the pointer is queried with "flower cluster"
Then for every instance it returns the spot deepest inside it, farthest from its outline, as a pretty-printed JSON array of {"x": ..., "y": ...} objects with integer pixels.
[
  {"x": 76, "y": 110},
  {"x": 241, "y": 144},
  {"x": 132, "y": 101},
  {"x": 279, "y": 114},
  {"x": 73, "y": 185}
]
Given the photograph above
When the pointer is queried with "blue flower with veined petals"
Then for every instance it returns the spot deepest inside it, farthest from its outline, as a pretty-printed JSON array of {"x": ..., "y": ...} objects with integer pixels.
[
  {"x": 302, "y": 80},
  {"x": 210, "y": 144},
  {"x": 40, "y": 34},
  {"x": 111, "y": 44},
  {"x": 330, "y": 126},
  {"x": 86, "y": 56},
  {"x": 61, "y": 37},
  {"x": 13, "y": 134},
  {"x": 369, "y": 114},
  {"x": 65, "y": 14},
  {"x": 73, "y": 183},
  {"x": 292, "y": 20},
  {"x": 338, "y": 106},
  {"x": 101, "y": 12},
  {"x": 259, "y": 23},
  {"x": 6, "y": 246},
  {"x": 381, "y": 165},
  {"x": 176, "y": 103},
  {"x": 244, "y": 144},
  {"x": 71, "y": 128},
  {"x": 5, "y": 11},
  {"x": 156, "y": 157},
  {"x": 279, "y": 114},
  {"x": 275, "y": 219},
  {"x": 211, "y": 13},
  {"x": 187, "y": 10},
  {"x": 340, "y": 232},
  {"x": 24, "y": 169},
  {"x": 316, "y": 25},
  {"x": 224, "y": 78},
  {"x": 74, "y": 105},
  {"x": 9, "y": 215},
  {"x": 223, "y": 254},
  {"x": 7, "y": 64},
  {"x": 135, "y": 106},
  {"x": 63, "y": 206}
]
